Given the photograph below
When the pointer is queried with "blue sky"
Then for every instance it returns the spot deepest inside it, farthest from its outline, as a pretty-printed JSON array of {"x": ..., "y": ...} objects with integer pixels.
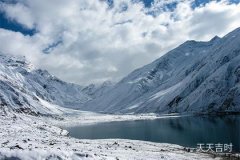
[
  {"x": 93, "y": 41},
  {"x": 14, "y": 26}
]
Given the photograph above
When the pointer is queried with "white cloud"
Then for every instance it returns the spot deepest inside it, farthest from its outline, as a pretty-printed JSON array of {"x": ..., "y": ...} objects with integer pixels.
[
  {"x": 18, "y": 13},
  {"x": 100, "y": 43},
  {"x": 17, "y": 44}
]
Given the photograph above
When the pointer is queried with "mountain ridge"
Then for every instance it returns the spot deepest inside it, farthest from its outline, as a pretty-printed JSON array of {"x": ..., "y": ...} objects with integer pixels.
[
  {"x": 195, "y": 77},
  {"x": 162, "y": 77},
  {"x": 26, "y": 89}
]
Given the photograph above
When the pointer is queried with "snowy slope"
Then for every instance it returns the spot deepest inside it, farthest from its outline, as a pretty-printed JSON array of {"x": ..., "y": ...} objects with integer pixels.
[
  {"x": 26, "y": 89},
  {"x": 194, "y": 77},
  {"x": 96, "y": 90}
]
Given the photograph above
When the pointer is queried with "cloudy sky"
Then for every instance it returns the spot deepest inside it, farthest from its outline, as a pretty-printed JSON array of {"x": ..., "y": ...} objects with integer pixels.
[{"x": 91, "y": 41}]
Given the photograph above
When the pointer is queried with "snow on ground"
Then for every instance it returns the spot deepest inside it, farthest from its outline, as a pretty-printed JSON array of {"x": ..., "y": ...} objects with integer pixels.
[
  {"x": 28, "y": 137},
  {"x": 86, "y": 118},
  {"x": 163, "y": 92},
  {"x": 71, "y": 117}
]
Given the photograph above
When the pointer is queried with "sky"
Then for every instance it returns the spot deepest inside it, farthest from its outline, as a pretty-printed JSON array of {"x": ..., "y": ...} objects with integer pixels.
[{"x": 92, "y": 41}]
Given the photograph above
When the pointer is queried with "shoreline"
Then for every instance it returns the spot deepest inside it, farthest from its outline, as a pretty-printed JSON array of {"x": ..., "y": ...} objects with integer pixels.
[
  {"x": 89, "y": 118},
  {"x": 30, "y": 137}
]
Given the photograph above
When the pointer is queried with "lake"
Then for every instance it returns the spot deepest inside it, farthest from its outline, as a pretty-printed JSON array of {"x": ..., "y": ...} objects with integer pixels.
[{"x": 186, "y": 131}]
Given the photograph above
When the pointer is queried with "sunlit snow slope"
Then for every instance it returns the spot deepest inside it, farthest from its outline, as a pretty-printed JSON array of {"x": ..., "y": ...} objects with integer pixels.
[{"x": 201, "y": 77}]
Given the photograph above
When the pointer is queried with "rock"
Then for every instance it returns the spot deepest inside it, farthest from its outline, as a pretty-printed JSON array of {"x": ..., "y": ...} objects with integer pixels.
[
  {"x": 5, "y": 142},
  {"x": 16, "y": 147}
]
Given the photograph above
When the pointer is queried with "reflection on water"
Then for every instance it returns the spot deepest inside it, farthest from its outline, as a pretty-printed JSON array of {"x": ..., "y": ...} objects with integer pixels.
[{"x": 185, "y": 131}]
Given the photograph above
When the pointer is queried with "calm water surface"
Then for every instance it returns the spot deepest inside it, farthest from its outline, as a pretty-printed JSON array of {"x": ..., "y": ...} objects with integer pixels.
[{"x": 185, "y": 131}]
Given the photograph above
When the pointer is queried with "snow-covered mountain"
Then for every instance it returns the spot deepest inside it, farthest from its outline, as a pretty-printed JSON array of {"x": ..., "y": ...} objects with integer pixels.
[
  {"x": 26, "y": 89},
  {"x": 97, "y": 90},
  {"x": 194, "y": 77}
]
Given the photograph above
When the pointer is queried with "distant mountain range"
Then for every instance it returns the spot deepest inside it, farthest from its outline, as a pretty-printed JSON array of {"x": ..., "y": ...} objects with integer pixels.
[{"x": 195, "y": 77}]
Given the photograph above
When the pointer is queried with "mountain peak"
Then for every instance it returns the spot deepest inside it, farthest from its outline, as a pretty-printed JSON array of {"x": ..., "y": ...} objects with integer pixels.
[
  {"x": 15, "y": 61},
  {"x": 215, "y": 38},
  {"x": 188, "y": 78}
]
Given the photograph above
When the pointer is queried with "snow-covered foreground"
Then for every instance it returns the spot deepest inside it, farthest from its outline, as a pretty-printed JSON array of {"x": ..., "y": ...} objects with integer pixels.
[{"x": 28, "y": 137}]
